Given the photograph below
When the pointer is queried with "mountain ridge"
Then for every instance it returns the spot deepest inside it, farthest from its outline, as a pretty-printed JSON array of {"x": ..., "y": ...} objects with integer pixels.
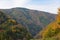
[
  {"x": 25, "y": 8},
  {"x": 33, "y": 20}
]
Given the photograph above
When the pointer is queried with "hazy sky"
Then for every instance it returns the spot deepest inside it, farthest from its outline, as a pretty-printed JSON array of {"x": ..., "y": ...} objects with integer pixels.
[{"x": 43, "y": 5}]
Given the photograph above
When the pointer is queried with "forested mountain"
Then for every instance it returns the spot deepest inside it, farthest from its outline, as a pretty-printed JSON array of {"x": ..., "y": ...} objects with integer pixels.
[
  {"x": 33, "y": 20},
  {"x": 10, "y": 29}
]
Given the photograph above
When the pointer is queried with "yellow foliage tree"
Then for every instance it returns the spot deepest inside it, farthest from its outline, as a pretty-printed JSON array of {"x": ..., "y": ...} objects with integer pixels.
[{"x": 52, "y": 30}]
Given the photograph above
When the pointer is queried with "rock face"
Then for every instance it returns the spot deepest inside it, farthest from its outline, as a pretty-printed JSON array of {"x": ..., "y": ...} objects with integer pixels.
[
  {"x": 52, "y": 32},
  {"x": 11, "y": 30},
  {"x": 33, "y": 20}
]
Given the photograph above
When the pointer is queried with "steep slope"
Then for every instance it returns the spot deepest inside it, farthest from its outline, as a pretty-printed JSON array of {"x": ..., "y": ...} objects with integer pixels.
[
  {"x": 33, "y": 20},
  {"x": 52, "y": 32},
  {"x": 11, "y": 30}
]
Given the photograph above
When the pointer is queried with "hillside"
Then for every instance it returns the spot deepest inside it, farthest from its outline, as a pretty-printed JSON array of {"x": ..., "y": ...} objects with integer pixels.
[
  {"x": 52, "y": 31},
  {"x": 33, "y": 20},
  {"x": 11, "y": 30}
]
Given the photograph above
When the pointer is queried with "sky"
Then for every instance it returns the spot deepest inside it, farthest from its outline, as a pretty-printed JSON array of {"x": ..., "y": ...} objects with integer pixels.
[{"x": 42, "y": 5}]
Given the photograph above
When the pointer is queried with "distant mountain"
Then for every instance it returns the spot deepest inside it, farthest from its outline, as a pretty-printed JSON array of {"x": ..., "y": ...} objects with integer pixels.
[
  {"x": 52, "y": 31},
  {"x": 11, "y": 30},
  {"x": 33, "y": 20}
]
